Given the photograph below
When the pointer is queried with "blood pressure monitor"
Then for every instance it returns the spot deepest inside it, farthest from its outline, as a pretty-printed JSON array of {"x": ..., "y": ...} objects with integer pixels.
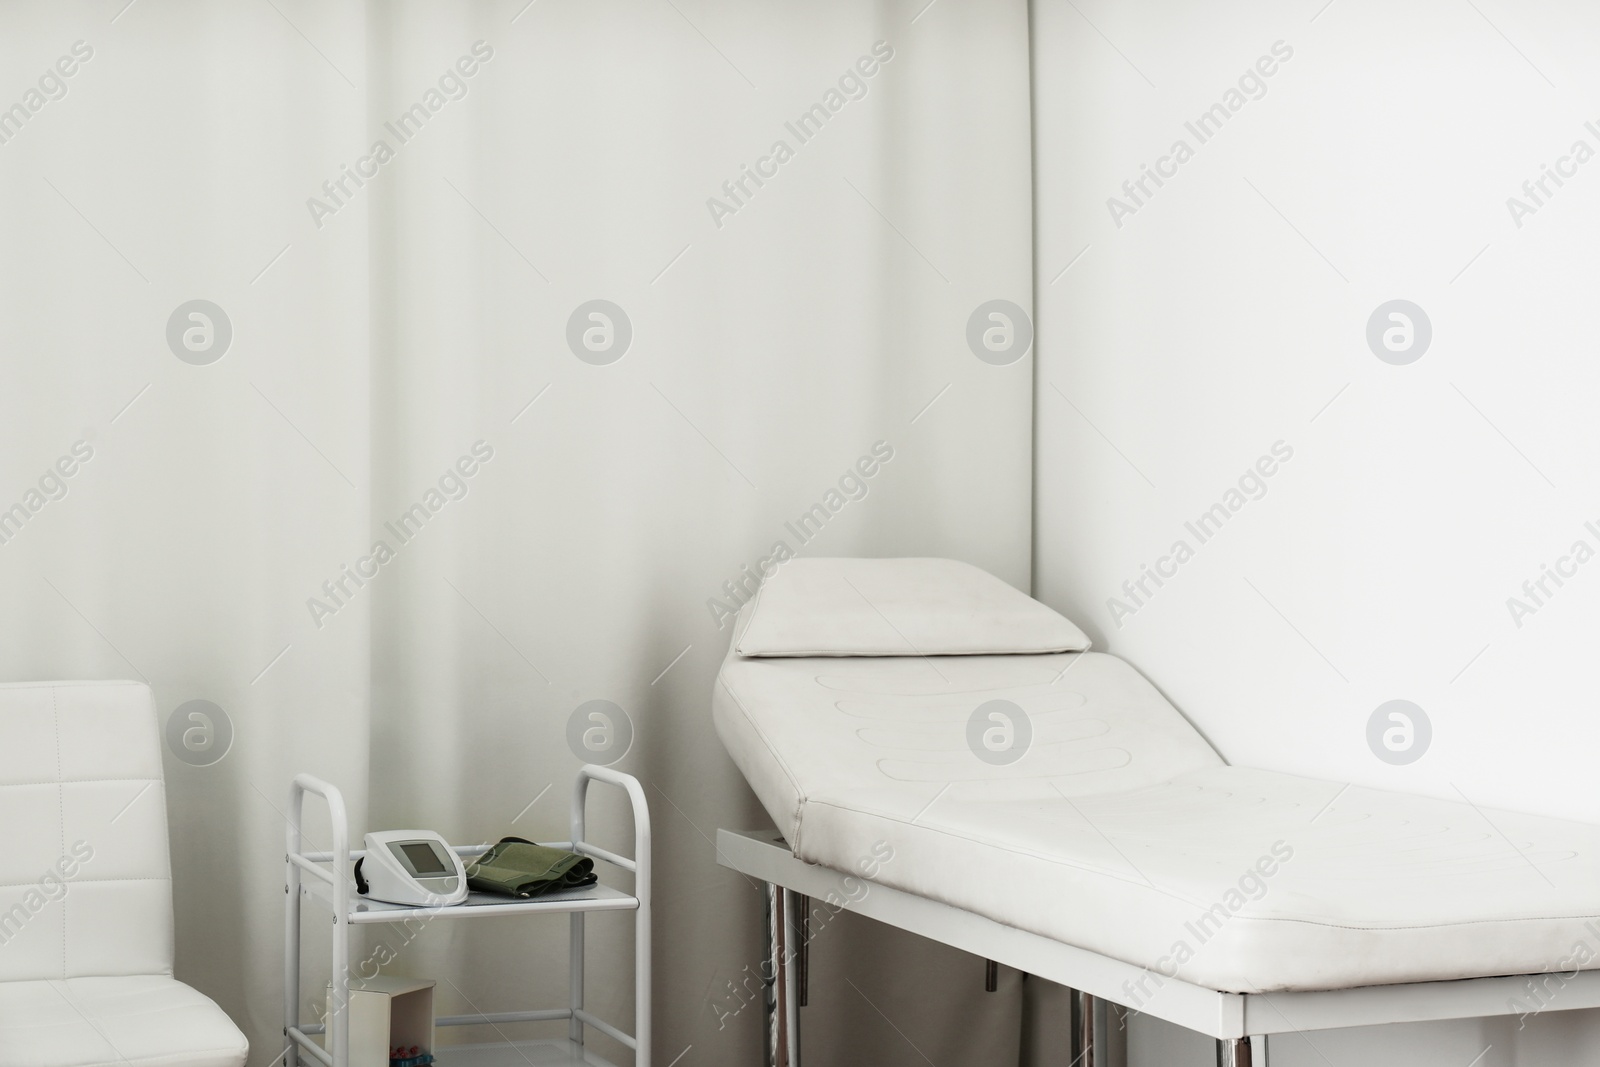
[{"x": 413, "y": 867}]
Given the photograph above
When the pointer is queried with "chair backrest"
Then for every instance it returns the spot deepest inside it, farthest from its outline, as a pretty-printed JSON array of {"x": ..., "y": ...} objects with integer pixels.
[{"x": 85, "y": 875}]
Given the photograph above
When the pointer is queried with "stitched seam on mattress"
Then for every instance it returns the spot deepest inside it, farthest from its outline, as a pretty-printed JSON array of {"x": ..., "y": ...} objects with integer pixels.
[
  {"x": 1187, "y": 900},
  {"x": 799, "y": 794},
  {"x": 1016, "y": 852}
]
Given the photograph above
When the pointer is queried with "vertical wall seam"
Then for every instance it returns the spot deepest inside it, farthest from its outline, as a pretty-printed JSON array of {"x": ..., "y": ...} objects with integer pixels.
[{"x": 1033, "y": 271}]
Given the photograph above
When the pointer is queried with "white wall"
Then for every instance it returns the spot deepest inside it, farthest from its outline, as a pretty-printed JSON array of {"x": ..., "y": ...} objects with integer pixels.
[
  {"x": 1229, "y": 313},
  {"x": 375, "y": 345}
]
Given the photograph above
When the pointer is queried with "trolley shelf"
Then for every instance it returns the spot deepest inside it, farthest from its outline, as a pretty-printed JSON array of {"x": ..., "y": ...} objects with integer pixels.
[
  {"x": 477, "y": 905},
  {"x": 523, "y": 1054}
]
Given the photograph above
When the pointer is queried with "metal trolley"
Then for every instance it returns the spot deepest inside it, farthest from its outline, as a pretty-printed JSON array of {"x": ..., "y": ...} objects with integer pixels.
[{"x": 326, "y": 877}]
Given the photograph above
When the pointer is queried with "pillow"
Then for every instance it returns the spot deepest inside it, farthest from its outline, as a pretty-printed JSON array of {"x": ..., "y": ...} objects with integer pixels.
[{"x": 897, "y": 607}]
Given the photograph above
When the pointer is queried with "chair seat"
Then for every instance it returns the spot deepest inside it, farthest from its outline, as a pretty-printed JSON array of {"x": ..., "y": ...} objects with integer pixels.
[{"x": 128, "y": 1021}]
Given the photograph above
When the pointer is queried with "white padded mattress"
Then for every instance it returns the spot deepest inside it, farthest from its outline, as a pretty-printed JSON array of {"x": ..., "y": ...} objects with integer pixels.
[{"x": 1120, "y": 830}]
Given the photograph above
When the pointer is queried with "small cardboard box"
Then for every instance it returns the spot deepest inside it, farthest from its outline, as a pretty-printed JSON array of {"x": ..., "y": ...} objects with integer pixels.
[{"x": 386, "y": 1013}]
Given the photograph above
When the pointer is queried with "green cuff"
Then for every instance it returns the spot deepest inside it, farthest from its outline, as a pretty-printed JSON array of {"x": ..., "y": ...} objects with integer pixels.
[{"x": 519, "y": 868}]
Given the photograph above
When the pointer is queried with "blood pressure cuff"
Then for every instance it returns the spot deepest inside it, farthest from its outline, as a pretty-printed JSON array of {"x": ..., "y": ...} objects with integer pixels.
[{"x": 518, "y": 868}]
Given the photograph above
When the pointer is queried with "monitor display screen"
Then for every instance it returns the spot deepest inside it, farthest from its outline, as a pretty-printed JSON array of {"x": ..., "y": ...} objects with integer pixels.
[{"x": 423, "y": 859}]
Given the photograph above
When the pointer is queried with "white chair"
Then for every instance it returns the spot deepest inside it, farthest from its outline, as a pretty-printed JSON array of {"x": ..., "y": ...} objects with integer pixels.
[{"x": 86, "y": 889}]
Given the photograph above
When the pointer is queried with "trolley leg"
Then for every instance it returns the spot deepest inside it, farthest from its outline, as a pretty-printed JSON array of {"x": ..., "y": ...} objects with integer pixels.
[
  {"x": 644, "y": 977},
  {"x": 338, "y": 1033},
  {"x": 1083, "y": 1030},
  {"x": 575, "y": 979},
  {"x": 1234, "y": 1052},
  {"x": 291, "y": 964},
  {"x": 781, "y": 974}
]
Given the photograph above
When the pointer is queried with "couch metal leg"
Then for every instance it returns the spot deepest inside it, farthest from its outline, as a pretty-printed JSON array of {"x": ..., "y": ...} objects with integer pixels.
[
  {"x": 802, "y": 907},
  {"x": 1234, "y": 1052},
  {"x": 781, "y": 977},
  {"x": 1084, "y": 1031},
  {"x": 1115, "y": 1035}
]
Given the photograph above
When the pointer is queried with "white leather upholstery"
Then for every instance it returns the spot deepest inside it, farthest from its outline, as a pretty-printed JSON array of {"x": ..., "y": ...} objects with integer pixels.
[
  {"x": 888, "y": 734},
  {"x": 86, "y": 887},
  {"x": 896, "y": 607},
  {"x": 1121, "y": 831},
  {"x": 134, "y": 1020}
]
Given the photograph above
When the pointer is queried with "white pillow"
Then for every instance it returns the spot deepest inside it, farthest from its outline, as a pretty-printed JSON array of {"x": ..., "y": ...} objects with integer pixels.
[{"x": 897, "y": 607}]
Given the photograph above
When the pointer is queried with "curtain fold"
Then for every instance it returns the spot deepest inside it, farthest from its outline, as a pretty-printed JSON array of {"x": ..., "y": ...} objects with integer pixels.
[
  {"x": 425, "y": 505},
  {"x": 224, "y": 469}
]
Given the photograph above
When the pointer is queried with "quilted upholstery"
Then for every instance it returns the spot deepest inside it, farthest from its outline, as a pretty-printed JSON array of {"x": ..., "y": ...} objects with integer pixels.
[
  {"x": 86, "y": 887},
  {"x": 131, "y": 1021}
]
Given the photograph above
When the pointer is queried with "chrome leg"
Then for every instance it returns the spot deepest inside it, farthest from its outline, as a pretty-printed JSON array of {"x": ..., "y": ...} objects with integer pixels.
[
  {"x": 1083, "y": 1030},
  {"x": 780, "y": 976},
  {"x": 1234, "y": 1052},
  {"x": 793, "y": 943},
  {"x": 803, "y": 947},
  {"x": 1115, "y": 1035}
]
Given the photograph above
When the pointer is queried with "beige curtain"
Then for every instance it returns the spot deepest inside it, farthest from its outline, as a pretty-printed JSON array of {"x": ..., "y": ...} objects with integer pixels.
[{"x": 432, "y": 497}]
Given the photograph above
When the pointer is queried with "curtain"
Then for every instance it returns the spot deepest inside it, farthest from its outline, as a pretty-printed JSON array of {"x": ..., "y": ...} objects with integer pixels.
[{"x": 446, "y": 369}]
